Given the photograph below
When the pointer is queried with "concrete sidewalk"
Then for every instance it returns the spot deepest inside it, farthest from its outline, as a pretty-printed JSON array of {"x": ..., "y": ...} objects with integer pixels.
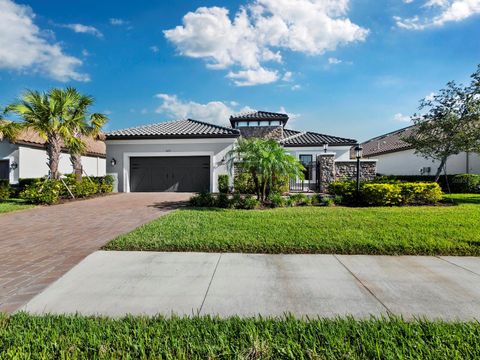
[{"x": 119, "y": 283}]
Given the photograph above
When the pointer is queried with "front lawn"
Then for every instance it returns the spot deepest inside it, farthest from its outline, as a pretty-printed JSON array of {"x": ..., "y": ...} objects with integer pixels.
[
  {"x": 25, "y": 336},
  {"x": 423, "y": 230},
  {"x": 13, "y": 205}
]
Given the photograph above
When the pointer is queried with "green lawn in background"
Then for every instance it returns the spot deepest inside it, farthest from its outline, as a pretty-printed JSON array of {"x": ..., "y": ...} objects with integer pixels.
[
  {"x": 13, "y": 205},
  {"x": 422, "y": 230},
  {"x": 25, "y": 336}
]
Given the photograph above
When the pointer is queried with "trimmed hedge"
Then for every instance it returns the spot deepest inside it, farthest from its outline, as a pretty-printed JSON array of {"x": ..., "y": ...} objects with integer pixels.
[
  {"x": 5, "y": 190},
  {"x": 223, "y": 183},
  {"x": 458, "y": 184},
  {"x": 388, "y": 194},
  {"x": 466, "y": 183}
]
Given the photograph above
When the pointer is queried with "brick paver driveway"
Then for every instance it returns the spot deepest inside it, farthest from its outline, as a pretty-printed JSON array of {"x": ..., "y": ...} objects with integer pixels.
[{"x": 39, "y": 245}]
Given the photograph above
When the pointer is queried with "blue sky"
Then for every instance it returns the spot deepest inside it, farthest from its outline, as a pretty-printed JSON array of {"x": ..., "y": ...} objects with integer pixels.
[{"x": 345, "y": 67}]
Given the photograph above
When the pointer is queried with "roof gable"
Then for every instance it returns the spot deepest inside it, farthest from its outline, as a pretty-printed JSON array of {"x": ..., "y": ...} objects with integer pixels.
[
  {"x": 387, "y": 143},
  {"x": 258, "y": 116},
  {"x": 294, "y": 138}
]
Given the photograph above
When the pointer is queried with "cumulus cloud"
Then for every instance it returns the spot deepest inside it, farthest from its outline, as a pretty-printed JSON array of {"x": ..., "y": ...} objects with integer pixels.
[
  {"x": 445, "y": 11},
  {"x": 118, "y": 22},
  {"x": 334, "y": 61},
  {"x": 259, "y": 32},
  {"x": 402, "y": 118},
  {"x": 23, "y": 48},
  {"x": 83, "y": 29}
]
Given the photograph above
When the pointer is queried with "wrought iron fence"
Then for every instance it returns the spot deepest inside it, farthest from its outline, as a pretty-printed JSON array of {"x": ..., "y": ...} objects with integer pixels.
[{"x": 309, "y": 182}]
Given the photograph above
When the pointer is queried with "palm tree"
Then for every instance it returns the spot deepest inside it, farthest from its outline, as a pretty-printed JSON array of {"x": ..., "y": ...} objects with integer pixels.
[
  {"x": 82, "y": 125},
  {"x": 266, "y": 161}
]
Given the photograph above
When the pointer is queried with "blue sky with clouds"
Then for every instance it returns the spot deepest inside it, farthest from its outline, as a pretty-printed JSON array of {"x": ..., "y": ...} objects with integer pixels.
[{"x": 350, "y": 68}]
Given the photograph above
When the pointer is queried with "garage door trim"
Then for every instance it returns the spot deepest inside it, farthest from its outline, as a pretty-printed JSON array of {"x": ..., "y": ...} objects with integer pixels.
[{"x": 127, "y": 156}]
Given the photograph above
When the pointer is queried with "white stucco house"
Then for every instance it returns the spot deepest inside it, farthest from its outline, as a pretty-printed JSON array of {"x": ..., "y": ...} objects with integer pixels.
[
  {"x": 396, "y": 157},
  {"x": 27, "y": 158},
  {"x": 188, "y": 155}
]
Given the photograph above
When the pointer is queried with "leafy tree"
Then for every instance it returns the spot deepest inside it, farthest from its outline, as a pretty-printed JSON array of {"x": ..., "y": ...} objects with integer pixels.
[
  {"x": 56, "y": 116},
  {"x": 451, "y": 123},
  {"x": 266, "y": 161}
]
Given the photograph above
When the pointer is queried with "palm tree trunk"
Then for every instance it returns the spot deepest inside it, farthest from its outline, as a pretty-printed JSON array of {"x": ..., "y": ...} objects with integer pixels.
[
  {"x": 76, "y": 160},
  {"x": 54, "y": 149},
  {"x": 440, "y": 168}
]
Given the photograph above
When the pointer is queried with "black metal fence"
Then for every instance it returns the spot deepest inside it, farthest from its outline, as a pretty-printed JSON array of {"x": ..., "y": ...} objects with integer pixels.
[{"x": 309, "y": 182}]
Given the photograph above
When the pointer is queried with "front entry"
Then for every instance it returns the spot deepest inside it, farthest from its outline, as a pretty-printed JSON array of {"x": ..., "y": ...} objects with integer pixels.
[{"x": 176, "y": 173}]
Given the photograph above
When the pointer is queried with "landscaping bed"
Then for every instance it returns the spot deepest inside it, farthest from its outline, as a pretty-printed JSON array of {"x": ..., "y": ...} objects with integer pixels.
[
  {"x": 416, "y": 230},
  {"x": 60, "y": 337}
]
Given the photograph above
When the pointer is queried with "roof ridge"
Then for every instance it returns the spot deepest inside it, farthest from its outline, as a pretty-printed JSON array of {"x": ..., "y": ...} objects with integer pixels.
[
  {"x": 214, "y": 125},
  {"x": 147, "y": 125},
  {"x": 332, "y": 136}
]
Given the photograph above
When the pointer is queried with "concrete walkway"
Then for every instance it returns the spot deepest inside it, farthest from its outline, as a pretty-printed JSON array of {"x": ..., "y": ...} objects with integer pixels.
[
  {"x": 119, "y": 283},
  {"x": 39, "y": 245}
]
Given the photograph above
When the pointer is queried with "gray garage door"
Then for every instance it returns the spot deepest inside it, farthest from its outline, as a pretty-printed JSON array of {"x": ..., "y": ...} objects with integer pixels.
[
  {"x": 4, "y": 169},
  {"x": 184, "y": 173}
]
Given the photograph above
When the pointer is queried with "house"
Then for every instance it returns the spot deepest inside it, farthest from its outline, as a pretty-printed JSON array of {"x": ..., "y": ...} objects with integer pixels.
[
  {"x": 396, "y": 157},
  {"x": 27, "y": 158},
  {"x": 188, "y": 155}
]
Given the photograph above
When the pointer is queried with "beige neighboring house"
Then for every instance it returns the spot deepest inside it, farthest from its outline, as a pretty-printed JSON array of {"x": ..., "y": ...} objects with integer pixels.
[
  {"x": 27, "y": 158},
  {"x": 396, "y": 157}
]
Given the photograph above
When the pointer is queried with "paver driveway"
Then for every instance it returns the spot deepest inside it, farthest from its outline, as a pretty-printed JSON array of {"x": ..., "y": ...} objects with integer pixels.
[{"x": 39, "y": 245}]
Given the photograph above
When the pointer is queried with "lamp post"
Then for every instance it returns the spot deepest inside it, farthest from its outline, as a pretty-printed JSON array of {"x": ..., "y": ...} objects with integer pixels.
[
  {"x": 358, "y": 155},
  {"x": 325, "y": 147}
]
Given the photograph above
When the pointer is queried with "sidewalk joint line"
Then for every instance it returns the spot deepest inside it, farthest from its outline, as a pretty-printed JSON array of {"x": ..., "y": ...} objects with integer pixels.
[
  {"x": 460, "y": 266},
  {"x": 209, "y": 284},
  {"x": 389, "y": 312}
]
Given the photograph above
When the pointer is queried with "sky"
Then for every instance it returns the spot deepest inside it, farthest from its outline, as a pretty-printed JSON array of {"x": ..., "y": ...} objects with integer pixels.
[{"x": 351, "y": 68}]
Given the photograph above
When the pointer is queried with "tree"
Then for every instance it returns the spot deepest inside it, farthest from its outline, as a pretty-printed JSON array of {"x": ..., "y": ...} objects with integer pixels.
[
  {"x": 451, "y": 123},
  {"x": 266, "y": 161}
]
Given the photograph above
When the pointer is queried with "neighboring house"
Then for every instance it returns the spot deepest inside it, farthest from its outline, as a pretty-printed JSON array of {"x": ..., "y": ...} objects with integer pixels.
[
  {"x": 396, "y": 157},
  {"x": 188, "y": 155},
  {"x": 27, "y": 158}
]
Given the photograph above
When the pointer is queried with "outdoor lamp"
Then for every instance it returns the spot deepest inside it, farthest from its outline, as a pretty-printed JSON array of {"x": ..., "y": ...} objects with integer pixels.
[
  {"x": 358, "y": 151},
  {"x": 13, "y": 165},
  {"x": 113, "y": 162},
  {"x": 325, "y": 147}
]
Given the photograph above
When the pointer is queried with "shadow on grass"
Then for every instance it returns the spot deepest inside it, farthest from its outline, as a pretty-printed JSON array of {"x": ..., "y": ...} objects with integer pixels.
[
  {"x": 464, "y": 198},
  {"x": 169, "y": 205}
]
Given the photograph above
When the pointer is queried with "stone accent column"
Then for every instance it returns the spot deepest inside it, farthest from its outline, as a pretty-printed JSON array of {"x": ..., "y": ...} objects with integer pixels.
[
  {"x": 326, "y": 170},
  {"x": 347, "y": 170}
]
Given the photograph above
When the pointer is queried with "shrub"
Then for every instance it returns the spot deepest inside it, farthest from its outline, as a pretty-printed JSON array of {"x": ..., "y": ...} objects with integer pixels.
[
  {"x": 237, "y": 201},
  {"x": 281, "y": 185},
  {"x": 347, "y": 190},
  {"x": 84, "y": 188},
  {"x": 243, "y": 183},
  {"x": 42, "y": 192},
  {"x": 466, "y": 183},
  {"x": 299, "y": 200},
  {"x": 105, "y": 183},
  {"x": 382, "y": 194},
  {"x": 203, "y": 199},
  {"x": 5, "y": 190},
  {"x": 276, "y": 200},
  {"x": 223, "y": 201},
  {"x": 249, "y": 202},
  {"x": 223, "y": 184},
  {"x": 420, "y": 193}
]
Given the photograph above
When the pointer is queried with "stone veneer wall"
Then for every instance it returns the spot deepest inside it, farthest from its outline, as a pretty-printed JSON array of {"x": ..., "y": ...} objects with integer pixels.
[
  {"x": 262, "y": 132},
  {"x": 331, "y": 170}
]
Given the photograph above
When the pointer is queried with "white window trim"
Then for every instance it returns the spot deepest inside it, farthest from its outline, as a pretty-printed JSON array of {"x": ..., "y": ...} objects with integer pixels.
[{"x": 128, "y": 155}]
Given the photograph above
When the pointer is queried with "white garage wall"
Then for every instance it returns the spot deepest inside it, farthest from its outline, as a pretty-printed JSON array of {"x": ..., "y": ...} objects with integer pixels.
[
  {"x": 122, "y": 150},
  {"x": 33, "y": 164},
  {"x": 408, "y": 163},
  {"x": 10, "y": 152}
]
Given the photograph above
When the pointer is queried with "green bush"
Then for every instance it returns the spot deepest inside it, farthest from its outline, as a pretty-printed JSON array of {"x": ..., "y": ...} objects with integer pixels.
[
  {"x": 250, "y": 203},
  {"x": 382, "y": 194},
  {"x": 223, "y": 201},
  {"x": 223, "y": 184},
  {"x": 299, "y": 200},
  {"x": 466, "y": 183},
  {"x": 5, "y": 190},
  {"x": 84, "y": 188},
  {"x": 105, "y": 183},
  {"x": 347, "y": 190},
  {"x": 276, "y": 200},
  {"x": 203, "y": 199},
  {"x": 420, "y": 193},
  {"x": 42, "y": 192},
  {"x": 243, "y": 183}
]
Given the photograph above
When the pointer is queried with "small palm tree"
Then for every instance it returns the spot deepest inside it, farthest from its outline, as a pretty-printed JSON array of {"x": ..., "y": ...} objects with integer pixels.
[{"x": 266, "y": 161}]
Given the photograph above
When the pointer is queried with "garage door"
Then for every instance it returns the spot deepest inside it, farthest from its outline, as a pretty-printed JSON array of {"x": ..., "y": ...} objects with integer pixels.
[{"x": 190, "y": 174}]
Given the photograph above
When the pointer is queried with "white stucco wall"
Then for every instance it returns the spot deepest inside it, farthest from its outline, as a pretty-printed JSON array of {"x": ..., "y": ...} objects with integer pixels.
[
  {"x": 408, "y": 163},
  {"x": 10, "y": 152},
  {"x": 341, "y": 152},
  {"x": 122, "y": 150}
]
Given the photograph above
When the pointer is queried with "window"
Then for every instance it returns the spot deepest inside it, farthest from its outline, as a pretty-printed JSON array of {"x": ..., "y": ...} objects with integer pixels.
[
  {"x": 242, "y": 123},
  {"x": 306, "y": 161}
]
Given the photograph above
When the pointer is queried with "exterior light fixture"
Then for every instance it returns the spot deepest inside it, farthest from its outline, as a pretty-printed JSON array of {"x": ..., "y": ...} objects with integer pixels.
[
  {"x": 325, "y": 147},
  {"x": 358, "y": 154},
  {"x": 13, "y": 165},
  {"x": 113, "y": 162}
]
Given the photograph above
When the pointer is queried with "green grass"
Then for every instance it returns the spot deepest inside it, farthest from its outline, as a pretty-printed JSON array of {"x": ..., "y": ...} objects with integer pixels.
[
  {"x": 13, "y": 205},
  {"x": 423, "y": 230},
  {"x": 25, "y": 336}
]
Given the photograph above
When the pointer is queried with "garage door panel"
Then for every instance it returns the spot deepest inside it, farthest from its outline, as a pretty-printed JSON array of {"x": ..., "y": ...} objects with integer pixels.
[{"x": 170, "y": 174}]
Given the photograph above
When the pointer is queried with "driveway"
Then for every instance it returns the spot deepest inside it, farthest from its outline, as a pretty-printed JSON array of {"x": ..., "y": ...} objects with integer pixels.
[
  {"x": 39, "y": 245},
  {"x": 119, "y": 283}
]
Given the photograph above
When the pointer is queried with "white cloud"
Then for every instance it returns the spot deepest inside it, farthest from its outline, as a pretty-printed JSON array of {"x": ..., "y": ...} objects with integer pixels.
[
  {"x": 118, "y": 22},
  {"x": 402, "y": 118},
  {"x": 450, "y": 11},
  {"x": 287, "y": 76},
  {"x": 296, "y": 87},
  {"x": 430, "y": 97},
  {"x": 216, "y": 112},
  {"x": 83, "y": 29},
  {"x": 155, "y": 49},
  {"x": 259, "y": 32},
  {"x": 334, "y": 61},
  {"x": 408, "y": 1},
  {"x": 23, "y": 48}
]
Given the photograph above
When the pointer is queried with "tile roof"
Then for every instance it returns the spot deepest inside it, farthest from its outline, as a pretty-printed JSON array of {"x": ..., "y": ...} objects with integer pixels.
[
  {"x": 258, "y": 116},
  {"x": 388, "y": 143},
  {"x": 174, "y": 129},
  {"x": 293, "y": 138},
  {"x": 95, "y": 147}
]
